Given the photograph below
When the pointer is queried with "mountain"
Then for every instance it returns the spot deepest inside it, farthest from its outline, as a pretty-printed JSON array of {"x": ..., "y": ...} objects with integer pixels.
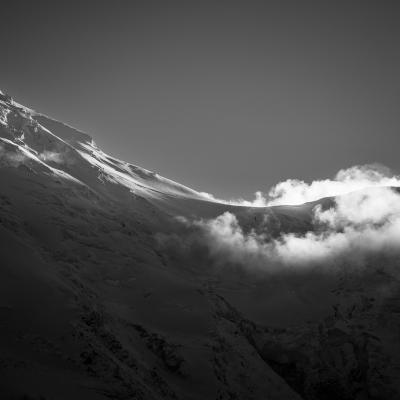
[{"x": 106, "y": 292}]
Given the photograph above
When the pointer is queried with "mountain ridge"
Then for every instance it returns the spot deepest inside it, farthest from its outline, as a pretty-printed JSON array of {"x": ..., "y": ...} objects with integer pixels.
[{"x": 60, "y": 146}]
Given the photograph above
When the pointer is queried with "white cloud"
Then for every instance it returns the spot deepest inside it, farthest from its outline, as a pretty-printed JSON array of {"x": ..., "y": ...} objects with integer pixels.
[
  {"x": 294, "y": 191},
  {"x": 360, "y": 224},
  {"x": 377, "y": 205}
]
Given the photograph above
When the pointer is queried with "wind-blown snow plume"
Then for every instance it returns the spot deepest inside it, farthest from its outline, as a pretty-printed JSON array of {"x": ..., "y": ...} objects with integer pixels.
[
  {"x": 259, "y": 201},
  {"x": 12, "y": 158},
  {"x": 16, "y": 155},
  {"x": 52, "y": 156}
]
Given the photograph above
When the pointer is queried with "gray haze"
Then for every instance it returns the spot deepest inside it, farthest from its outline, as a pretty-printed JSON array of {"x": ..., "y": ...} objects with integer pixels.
[{"x": 224, "y": 97}]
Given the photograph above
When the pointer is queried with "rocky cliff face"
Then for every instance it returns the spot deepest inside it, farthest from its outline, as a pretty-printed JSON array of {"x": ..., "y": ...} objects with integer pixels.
[{"x": 93, "y": 307}]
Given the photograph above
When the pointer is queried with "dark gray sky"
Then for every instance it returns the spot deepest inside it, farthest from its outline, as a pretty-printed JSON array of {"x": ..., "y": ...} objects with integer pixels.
[{"x": 225, "y": 97}]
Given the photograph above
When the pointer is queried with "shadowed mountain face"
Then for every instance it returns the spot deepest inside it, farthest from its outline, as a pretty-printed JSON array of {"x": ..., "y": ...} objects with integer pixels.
[{"x": 106, "y": 294}]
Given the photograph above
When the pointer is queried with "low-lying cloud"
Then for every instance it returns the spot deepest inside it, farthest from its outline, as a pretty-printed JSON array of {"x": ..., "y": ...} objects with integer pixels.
[
  {"x": 362, "y": 222},
  {"x": 295, "y": 191}
]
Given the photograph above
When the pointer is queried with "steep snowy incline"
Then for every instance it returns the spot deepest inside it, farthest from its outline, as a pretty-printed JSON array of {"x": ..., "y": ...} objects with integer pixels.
[{"x": 48, "y": 146}]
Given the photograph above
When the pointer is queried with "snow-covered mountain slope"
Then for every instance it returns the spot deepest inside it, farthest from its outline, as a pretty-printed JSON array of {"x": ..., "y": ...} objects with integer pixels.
[
  {"x": 94, "y": 306},
  {"x": 50, "y": 146}
]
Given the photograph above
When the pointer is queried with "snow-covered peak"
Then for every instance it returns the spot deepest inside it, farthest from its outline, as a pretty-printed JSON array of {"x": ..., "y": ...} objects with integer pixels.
[{"x": 44, "y": 145}]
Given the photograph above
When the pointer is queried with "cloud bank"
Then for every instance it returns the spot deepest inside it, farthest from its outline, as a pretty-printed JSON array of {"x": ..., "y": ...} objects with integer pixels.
[
  {"x": 352, "y": 230},
  {"x": 360, "y": 225},
  {"x": 294, "y": 191}
]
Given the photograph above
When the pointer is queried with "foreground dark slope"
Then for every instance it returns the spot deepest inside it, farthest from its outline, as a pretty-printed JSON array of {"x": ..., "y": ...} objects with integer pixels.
[{"x": 92, "y": 308}]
